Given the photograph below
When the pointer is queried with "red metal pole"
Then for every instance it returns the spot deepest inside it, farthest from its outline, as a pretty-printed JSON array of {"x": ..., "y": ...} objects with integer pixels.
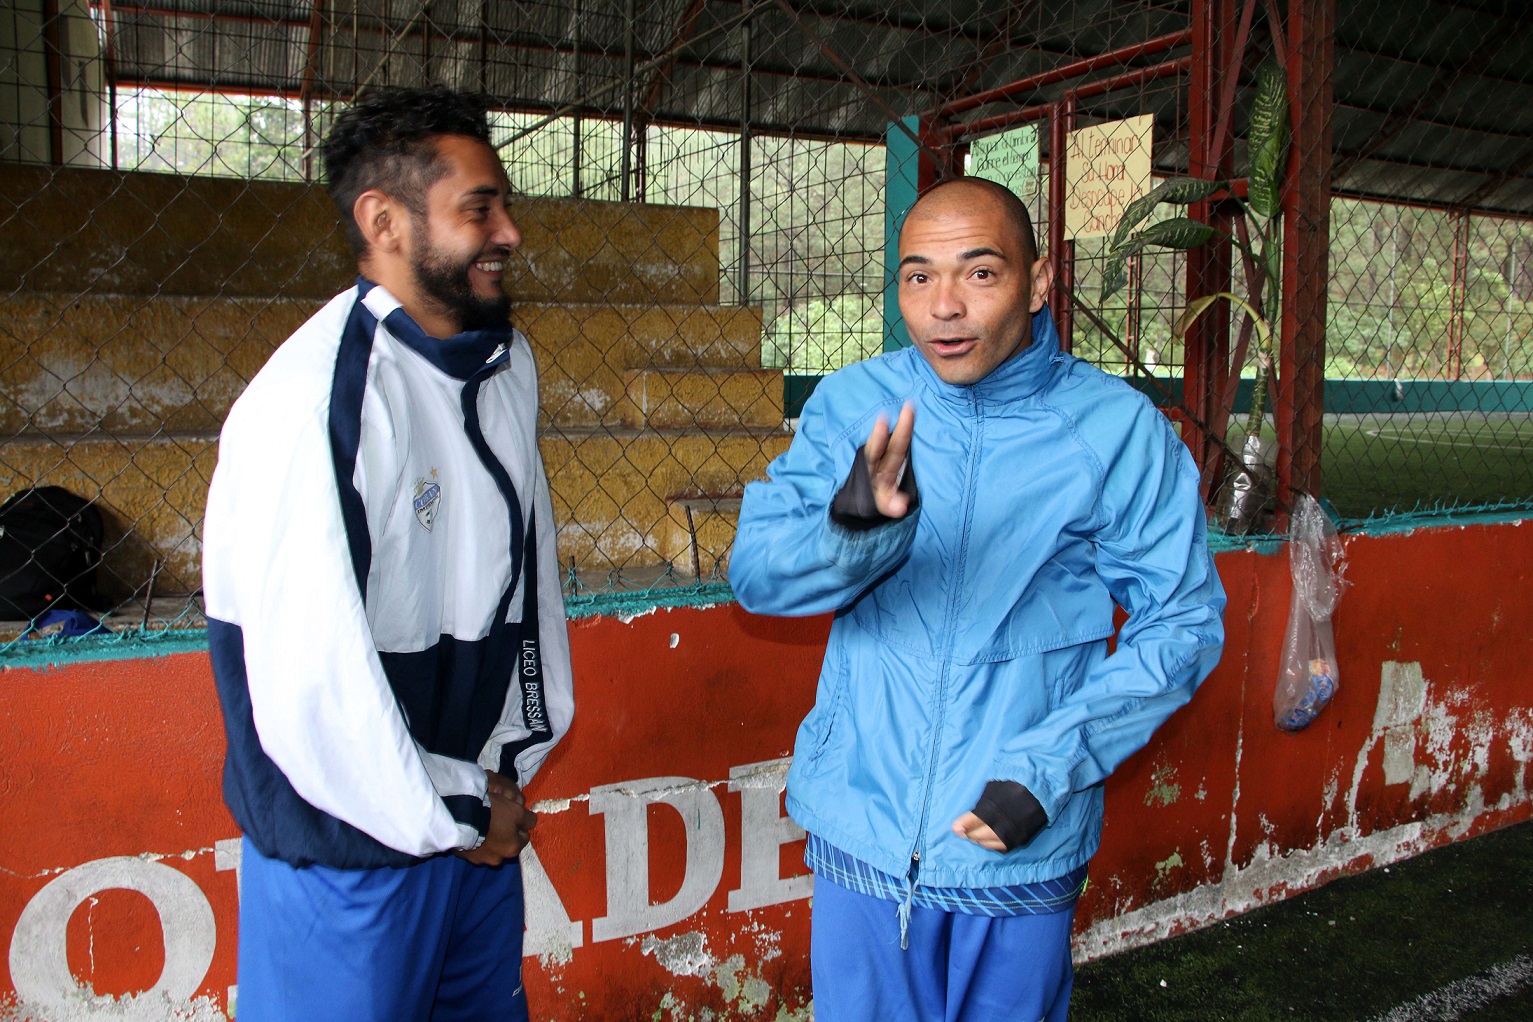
[
  {"x": 1300, "y": 398},
  {"x": 111, "y": 73},
  {"x": 306, "y": 90},
  {"x": 1206, "y": 354},
  {"x": 1458, "y": 293},
  {"x": 1062, "y": 252},
  {"x": 1133, "y": 325},
  {"x": 1128, "y": 79},
  {"x": 1065, "y": 72}
]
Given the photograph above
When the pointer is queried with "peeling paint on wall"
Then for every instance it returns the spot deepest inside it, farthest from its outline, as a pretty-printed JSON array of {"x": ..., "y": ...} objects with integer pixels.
[
  {"x": 1164, "y": 789},
  {"x": 87, "y": 1007}
]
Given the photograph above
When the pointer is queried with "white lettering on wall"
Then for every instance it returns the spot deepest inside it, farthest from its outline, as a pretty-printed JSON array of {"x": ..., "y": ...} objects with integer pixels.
[
  {"x": 39, "y": 956},
  {"x": 623, "y": 807},
  {"x": 39, "y": 959},
  {"x": 763, "y": 832},
  {"x": 550, "y": 932}
]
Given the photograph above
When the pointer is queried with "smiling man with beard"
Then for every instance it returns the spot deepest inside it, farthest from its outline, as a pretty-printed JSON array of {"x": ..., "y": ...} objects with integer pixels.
[
  {"x": 969, "y": 708},
  {"x": 383, "y": 601}
]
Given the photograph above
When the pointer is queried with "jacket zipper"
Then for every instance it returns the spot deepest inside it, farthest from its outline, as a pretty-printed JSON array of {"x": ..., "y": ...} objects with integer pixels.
[{"x": 940, "y": 715}]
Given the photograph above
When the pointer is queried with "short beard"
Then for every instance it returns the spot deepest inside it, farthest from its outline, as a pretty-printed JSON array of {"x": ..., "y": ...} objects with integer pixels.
[{"x": 446, "y": 284}]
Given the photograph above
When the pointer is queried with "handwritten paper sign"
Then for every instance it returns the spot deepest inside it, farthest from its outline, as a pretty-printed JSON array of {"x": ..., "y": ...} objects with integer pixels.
[
  {"x": 1107, "y": 167},
  {"x": 1010, "y": 159}
]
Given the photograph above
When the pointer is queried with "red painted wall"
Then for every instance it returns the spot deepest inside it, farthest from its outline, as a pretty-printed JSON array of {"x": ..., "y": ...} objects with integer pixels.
[{"x": 661, "y": 883}]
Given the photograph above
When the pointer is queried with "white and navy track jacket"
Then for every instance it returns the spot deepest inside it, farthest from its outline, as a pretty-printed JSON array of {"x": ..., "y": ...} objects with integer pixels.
[{"x": 373, "y": 632}]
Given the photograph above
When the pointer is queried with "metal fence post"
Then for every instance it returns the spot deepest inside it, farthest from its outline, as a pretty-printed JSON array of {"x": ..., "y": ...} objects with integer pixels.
[
  {"x": 1206, "y": 354},
  {"x": 1300, "y": 400},
  {"x": 743, "y": 287},
  {"x": 1458, "y": 293},
  {"x": 578, "y": 61},
  {"x": 626, "y": 164}
]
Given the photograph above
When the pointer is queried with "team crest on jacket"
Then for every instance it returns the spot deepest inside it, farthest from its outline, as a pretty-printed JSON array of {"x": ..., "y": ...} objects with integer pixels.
[{"x": 428, "y": 501}]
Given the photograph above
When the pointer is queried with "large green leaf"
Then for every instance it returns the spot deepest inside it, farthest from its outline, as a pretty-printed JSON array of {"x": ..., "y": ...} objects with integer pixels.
[
  {"x": 1183, "y": 191},
  {"x": 1174, "y": 232},
  {"x": 1178, "y": 191},
  {"x": 1177, "y": 232},
  {"x": 1115, "y": 272},
  {"x": 1198, "y": 306},
  {"x": 1268, "y": 139}
]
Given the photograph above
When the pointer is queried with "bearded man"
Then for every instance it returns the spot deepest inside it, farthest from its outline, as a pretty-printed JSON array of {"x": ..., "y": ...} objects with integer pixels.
[{"x": 384, "y": 613}]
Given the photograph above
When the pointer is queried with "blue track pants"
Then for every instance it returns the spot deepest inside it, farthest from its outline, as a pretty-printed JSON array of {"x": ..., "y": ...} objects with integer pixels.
[
  {"x": 436, "y": 942},
  {"x": 958, "y": 968}
]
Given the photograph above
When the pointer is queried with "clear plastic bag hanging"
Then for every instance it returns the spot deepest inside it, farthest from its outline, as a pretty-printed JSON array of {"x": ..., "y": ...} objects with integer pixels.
[{"x": 1308, "y": 677}]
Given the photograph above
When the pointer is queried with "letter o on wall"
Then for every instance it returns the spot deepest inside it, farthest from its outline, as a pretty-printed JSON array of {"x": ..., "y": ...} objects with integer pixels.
[{"x": 39, "y": 952}]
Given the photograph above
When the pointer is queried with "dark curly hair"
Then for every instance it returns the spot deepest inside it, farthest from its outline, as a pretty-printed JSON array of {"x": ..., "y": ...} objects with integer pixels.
[{"x": 386, "y": 140}]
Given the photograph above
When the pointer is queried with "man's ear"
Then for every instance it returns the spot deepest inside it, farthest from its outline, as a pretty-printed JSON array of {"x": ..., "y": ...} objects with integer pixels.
[
  {"x": 382, "y": 221},
  {"x": 1043, "y": 279}
]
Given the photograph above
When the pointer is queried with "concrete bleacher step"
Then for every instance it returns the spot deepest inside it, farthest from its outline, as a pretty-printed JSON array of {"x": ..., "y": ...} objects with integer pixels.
[
  {"x": 134, "y": 309},
  {"x": 587, "y": 352},
  {"x": 137, "y": 364},
  {"x": 671, "y": 336},
  {"x": 72, "y": 231},
  {"x": 133, "y": 364},
  {"x": 706, "y": 398}
]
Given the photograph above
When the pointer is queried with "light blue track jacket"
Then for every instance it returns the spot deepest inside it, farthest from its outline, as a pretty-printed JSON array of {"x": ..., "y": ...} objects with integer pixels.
[{"x": 970, "y": 638}]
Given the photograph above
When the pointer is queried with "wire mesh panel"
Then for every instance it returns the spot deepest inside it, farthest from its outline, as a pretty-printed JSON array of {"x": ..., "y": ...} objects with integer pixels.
[
  {"x": 1428, "y": 359},
  {"x": 706, "y": 197}
]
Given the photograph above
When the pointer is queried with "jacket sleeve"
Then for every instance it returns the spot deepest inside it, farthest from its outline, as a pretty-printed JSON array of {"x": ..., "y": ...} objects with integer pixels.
[
  {"x": 1152, "y": 553},
  {"x": 554, "y": 643},
  {"x": 789, "y": 557},
  {"x": 278, "y": 565}
]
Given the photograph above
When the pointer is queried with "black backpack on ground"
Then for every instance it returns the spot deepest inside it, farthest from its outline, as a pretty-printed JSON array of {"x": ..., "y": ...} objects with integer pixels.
[{"x": 50, "y": 548}]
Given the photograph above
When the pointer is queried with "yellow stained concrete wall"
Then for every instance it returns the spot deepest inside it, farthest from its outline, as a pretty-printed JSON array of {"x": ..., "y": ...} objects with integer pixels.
[
  {"x": 710, "y": 398},
  {"x": 140, "y": 364},
  {"x": 133, "y": 364},
  {"x": 613, "y": 491},
  {"x": 74, "y": 232}
]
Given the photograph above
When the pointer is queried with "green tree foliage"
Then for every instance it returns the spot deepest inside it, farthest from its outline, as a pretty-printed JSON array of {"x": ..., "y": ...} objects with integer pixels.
[
  {"x": 1391, "y": 295},
  {"x": 219, "y": 135}
]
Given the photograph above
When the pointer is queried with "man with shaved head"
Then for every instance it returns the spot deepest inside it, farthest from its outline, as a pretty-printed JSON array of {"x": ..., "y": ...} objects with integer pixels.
[{"x": 950, "y": 774}]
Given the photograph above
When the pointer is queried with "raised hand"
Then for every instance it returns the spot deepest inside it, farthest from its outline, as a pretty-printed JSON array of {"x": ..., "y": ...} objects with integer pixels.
[{"x": 887, "y": 453}]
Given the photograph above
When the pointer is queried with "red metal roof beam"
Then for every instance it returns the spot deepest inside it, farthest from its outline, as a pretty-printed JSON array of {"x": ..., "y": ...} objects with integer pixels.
[
  {"x": 1159, "y": 44},
  {"x": 1128, "y": 79}
]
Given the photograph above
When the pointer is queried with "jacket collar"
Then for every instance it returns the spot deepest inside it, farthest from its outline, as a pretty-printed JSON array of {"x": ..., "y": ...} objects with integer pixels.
[
  {"x": 1021, "y": 376},
  {"x": 460, "y": 356}
]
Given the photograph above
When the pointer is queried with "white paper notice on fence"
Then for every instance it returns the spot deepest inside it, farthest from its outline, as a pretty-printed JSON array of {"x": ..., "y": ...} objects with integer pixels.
[
  {"x": 1010, "y": 159},
  {"x": 1107, "y": 167}
]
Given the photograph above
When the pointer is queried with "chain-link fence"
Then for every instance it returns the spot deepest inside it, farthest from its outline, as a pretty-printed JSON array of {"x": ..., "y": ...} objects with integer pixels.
[{"x": 709, "y": 189}]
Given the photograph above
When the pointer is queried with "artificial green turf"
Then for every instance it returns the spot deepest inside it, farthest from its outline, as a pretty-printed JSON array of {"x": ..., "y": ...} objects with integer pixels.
[
  {"x": 1373, "y": 464},
  {"x": 1352, "y": 950}
]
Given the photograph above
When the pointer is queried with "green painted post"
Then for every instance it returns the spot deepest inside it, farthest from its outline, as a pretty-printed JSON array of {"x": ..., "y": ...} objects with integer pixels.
[{"x": 901, "y": 187}]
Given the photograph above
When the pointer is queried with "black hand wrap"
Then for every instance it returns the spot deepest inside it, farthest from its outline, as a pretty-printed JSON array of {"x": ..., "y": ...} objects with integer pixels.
[
  {"x": 1012, "y": 812},
  {"x": 854, "y": 507}
]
